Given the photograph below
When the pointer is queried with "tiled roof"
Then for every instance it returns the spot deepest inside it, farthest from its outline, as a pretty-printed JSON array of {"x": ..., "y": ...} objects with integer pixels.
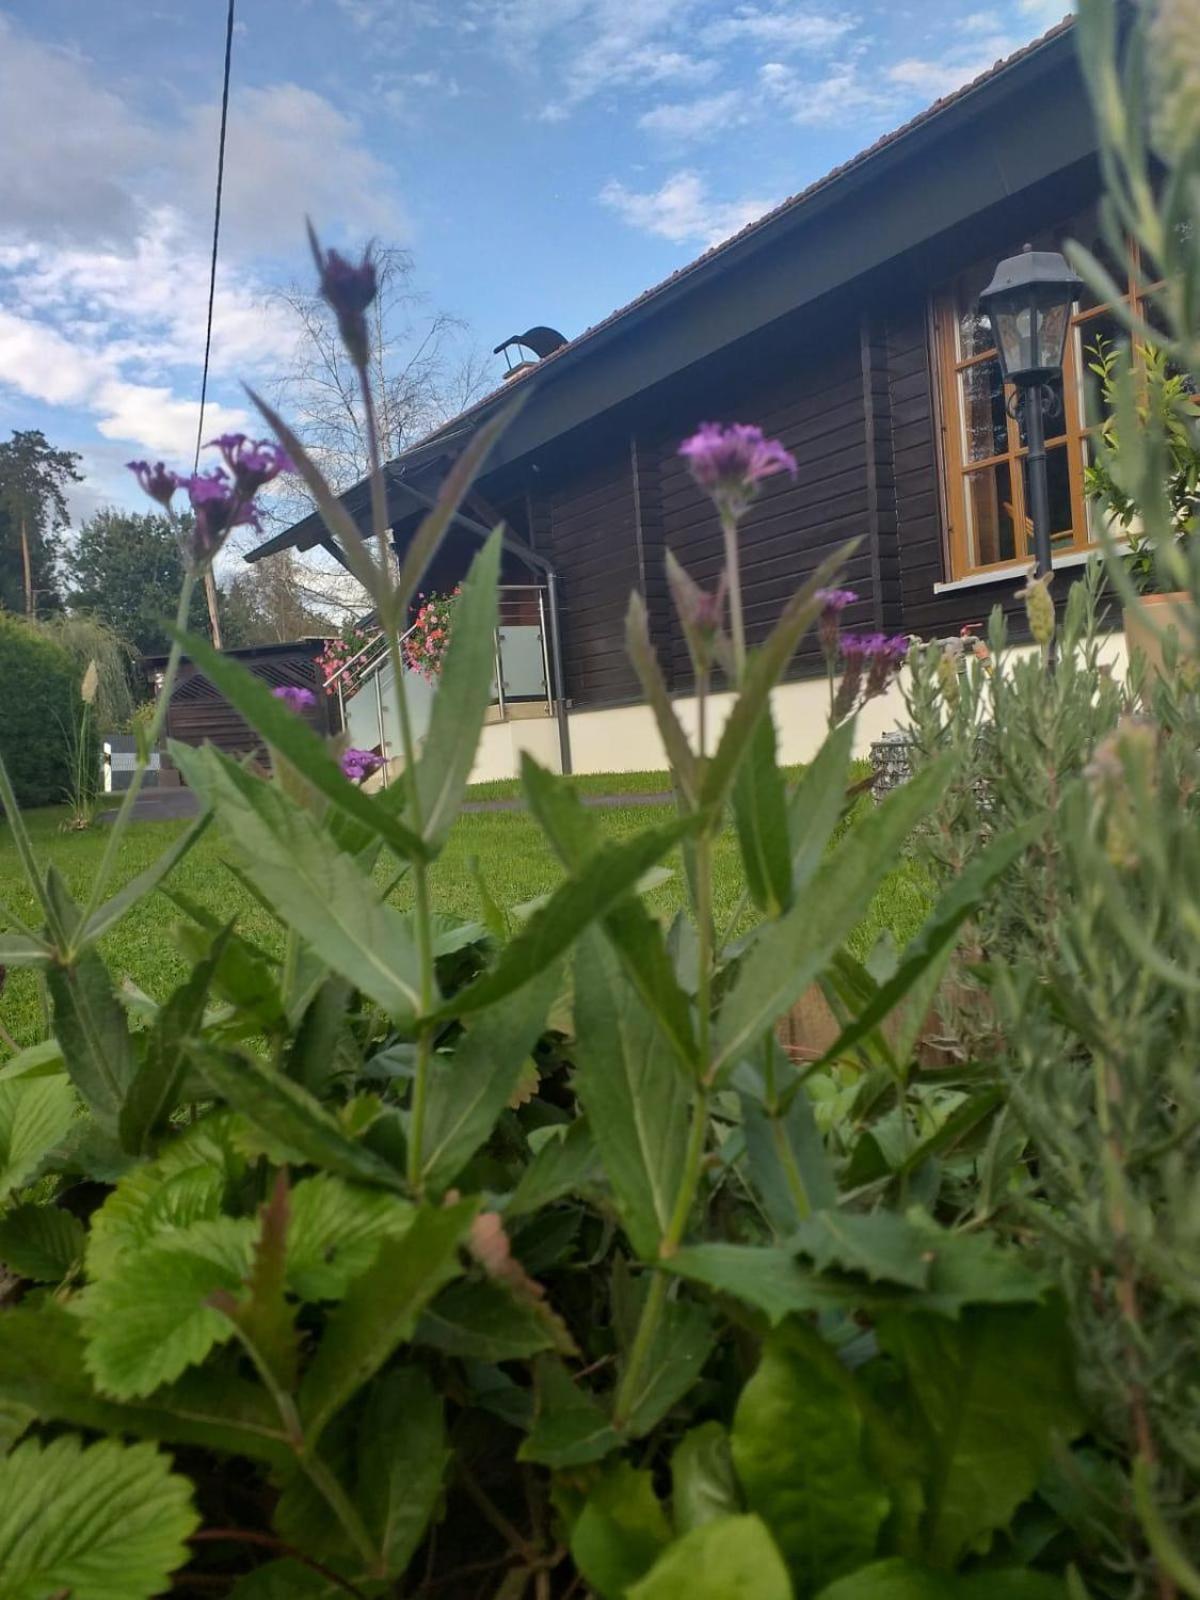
[{"x": 785, "y": 207}]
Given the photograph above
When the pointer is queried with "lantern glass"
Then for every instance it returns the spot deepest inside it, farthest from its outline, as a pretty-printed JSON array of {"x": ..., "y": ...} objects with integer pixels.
[{"x": 1029, "y": 303}]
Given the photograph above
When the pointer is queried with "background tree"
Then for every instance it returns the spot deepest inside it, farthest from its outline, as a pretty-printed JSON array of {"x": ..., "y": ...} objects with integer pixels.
[
  {"x": 270, "y": 602},
  {"x": 33, "y": 512},
  {"x": 125, "y": 567}
]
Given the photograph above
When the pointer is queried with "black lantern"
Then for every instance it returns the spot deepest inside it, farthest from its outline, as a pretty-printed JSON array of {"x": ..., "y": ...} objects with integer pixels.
[{"x": 1029, "y": 302}]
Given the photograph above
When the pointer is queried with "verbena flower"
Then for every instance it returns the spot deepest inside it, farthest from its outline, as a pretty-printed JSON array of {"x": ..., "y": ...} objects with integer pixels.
[
  {"x": 359, "y": 764},
  {"x": 832, "y": 602},
  {"x": 348, "y": 289},
  {"x": 217, "y": 507},
  {"x": 294, "y": 696},
  {"x": 156, "y": 481},
  {"x": 729, "y": 462},
  {"x": 253, "y": 462}
]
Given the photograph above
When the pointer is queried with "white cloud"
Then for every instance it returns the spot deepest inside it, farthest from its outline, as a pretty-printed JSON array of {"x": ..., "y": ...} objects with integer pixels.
[
  {"x": 931, "y": 78},
  {"x": 839, "y": 94},
  {"x": 682, "y": 209},
  {"x": 780, "y": 28},
  {"x": 697, "y": 119}
]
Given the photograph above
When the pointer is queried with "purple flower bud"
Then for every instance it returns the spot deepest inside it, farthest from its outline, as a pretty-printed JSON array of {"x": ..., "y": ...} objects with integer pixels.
[
  {"x": 156, "y": 481},
  {"x": 359, "y": 764},
  {"x": 835, "y": 599},
  {"x": 730, "y": 462},
  {"x": 253, "y": 463},
  {"x": 294, "y": 696},
  {"x": 348, "y": 290},
  {"x": 832, "y": 602},
  {"x": 217, "y": 507}
]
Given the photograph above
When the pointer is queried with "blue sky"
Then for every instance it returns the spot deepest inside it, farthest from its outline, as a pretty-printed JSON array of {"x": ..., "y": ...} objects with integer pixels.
[{"x": 545, "y": 161}]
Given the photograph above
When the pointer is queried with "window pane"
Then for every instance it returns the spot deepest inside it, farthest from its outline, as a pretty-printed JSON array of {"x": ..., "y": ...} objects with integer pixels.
[
  {"x": 974, "y": 329},
  {"x": 990, "y": 529},
  {"x": 985, "y": 423},
  {"x": 1099, "y": 335},
  {"x": 1058, "y": 483},
  {"x": 1086, "y": 230}
]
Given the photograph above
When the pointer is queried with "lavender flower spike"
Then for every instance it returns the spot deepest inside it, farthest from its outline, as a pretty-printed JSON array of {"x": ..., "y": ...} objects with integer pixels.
[
  {"x": 156, "y": 481},
  {"x": 294, "y": 696},
  {"x": 730, "y": 462}
]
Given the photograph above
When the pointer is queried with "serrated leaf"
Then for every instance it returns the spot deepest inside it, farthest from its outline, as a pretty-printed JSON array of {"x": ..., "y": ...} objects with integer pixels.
[
  {"x": 786, "y": 1160},
  {"x": 637, "y": 1103},
  {"x": 1013, "y": 1363},
  {"x": 570, "y": 1428},
  {"x": 681, "y": 1345},
  {"x": 464, "y": 693},
  {"x": 288, "y": 1114},
  {"x": 35, "y": 1114},
  {"x": 621, "y": 1531},
  {"x": 317, "y": 889},
  {"x": 285, "y": 1579},
  {"x": 734, "y": 1558},
  {"x": 91, "y": 1028},
  {"x": 798, "y": 1447},
  {"x": 793, "y": 952},
  {"x": 469, "y": 1089},
  {"x": 152, "y": 1318},
  {"x": 481, "y": 1321},
  {"x": 263, "y": 1315},
  {"x": 106, "y": 1522},
  {"x": 23, "y": 950},
  {"x": 640, "y": 650},
  {"x": 765, "y": 1276},
  {"x": 704, "y": 1486},
  {"x": 761, "y": 820},
  {"x": 566, "y": 1162},
  {"x": 132, "y": 893},
  {"x": 336, "y": 1229},
  {"x": 817, "y": 801},
  {"x": 402, "y": 1458},
  {"x": 40, "y": 1242},
  {"x": 381, "y": 1309},
  {"x": 881, "y": 1246}
]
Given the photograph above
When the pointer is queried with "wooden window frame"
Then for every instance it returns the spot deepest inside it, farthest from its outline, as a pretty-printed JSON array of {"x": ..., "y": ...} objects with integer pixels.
[{"x": 1071, "y": 432}]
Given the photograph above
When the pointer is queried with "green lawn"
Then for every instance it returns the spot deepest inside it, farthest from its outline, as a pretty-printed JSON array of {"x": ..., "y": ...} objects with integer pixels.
[{"x": 514, "y": 857}]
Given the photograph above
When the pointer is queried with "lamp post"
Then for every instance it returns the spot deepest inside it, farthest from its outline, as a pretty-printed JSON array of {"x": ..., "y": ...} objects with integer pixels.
[{"x": 1029, "y": 303}]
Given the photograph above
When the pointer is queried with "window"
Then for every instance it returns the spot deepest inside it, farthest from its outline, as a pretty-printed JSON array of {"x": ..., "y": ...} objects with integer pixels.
[{"x": 984, "y": 448}]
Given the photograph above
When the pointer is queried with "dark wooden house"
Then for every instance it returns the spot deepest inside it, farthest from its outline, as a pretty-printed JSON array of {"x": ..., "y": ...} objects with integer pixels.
[
  {"x": 199, "y": 713},
  {"x": 846, "y": 323}
]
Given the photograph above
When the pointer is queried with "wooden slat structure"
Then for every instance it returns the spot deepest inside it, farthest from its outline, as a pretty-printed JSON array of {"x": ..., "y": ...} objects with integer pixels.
[{"x": 200, "y": 714}]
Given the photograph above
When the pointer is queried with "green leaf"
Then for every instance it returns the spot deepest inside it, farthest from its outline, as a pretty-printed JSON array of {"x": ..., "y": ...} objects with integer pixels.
[
  {"x": 567, "y": 1162},
  {"x": 798, "y": 1448},
  {"x": 761, "y": 820},
  {"x": 636, "y": 936},
  {"x": 336, "y": 1229},
  {"x": 312, "y": 1056},
  {"x": 609, "y": 874},
  {"x": 22, "y": 950},
  {"x": 1009, "y": 1362},
  {"x": 896, "y": 1579},
  {"x": 35, "y": 1114},
  {"x": 733, "y": 1558},
  {"x": 401, "y": 1462},
  {"x": 110, "y": 913},
  {"x": 570, "y": 1428},
  {"x": 786, "y": 1161},
  {"x": 40, "y": 1242},
  {"x": 816, "y": 803},
  {"x": 621, "y": 1531},
  {"x": 155, "y": 1089},
  {"x": 312, "y": 885},
  {"x": 43, "y": 1060},
  {"x": 704, "y": 1486},
  {"x": 681, "y": 1345},
  {"x": 15, "y": 1421},
  {"x": 464, "y": 693},
  {"x": 152, "y": 1318},
  {"x": 765, "y": 1276},
  {"x": 469, "y": 1089},
  {"x": 881, "y": 1246},
  {"x": 764, "y": 668},
  {"x": 793, "y": 952},
  {"x": 109, "y": 1522},
  {"x": 42, "y": 1365},
  {"x": 640, "y": 650},
  {"x": 286, "y": 1579},
  {"x": 481, "y": 1321},
  {"x": 291, "y": 735},
  {"x": 636, "y": 1102},
  {"x": 90, "y": 1027},
  {"x": 263, "y": 1315},
  {"x": 381, "y": 1309},
  {"x": 287, "y": 1114}
]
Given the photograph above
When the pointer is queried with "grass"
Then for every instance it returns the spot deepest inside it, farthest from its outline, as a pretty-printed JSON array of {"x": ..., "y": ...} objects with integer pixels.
[
  {"x": 604, "y": 783},
  {"x": 513, "y": 856}
]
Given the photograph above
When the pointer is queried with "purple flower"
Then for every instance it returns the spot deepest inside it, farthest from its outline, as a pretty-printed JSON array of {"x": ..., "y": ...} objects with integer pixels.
[
  {"x": 881, "y": 656},
  {"x": 359, "y": 764},
  {"x": 217, "y": 507},
  {"x": 835, "y": 599},
  {"x": 253, "y": 462},
  {"x": 348, "y": 290},
  {"x": 730, "y": 462},
  {"x": 156, "y": 481},
  {"x": 832, "y": 602},
  {"x": 294, "y": 696}
]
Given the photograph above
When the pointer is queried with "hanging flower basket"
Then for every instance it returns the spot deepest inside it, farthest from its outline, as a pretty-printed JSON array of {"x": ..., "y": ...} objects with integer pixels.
[{"x": 426, "y": 644}]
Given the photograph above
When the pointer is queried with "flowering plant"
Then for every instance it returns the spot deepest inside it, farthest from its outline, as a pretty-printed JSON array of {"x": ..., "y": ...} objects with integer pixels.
[
  {"x": 340, "y": 650},
  {"x": 428, "y": 639}
]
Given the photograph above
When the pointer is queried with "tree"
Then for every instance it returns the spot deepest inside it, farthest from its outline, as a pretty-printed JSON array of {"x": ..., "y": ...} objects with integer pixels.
[
  {"x": 269, "y": 603},
  {"x": 126, "y": 568},
  {"x": 33, "y": 510}
]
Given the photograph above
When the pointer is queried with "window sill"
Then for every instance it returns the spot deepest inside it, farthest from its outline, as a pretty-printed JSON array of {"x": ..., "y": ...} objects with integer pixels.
[{"x": 1017, "y": 569}]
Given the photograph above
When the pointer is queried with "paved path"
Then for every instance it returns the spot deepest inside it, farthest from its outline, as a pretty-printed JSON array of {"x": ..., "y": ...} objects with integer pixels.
[{"x": 170, "y": 805}]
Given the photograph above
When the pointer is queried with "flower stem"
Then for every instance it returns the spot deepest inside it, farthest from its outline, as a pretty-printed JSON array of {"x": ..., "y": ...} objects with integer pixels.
[
  {"x": 125, "y": 813},
  {"x": 737, "y": 622}
]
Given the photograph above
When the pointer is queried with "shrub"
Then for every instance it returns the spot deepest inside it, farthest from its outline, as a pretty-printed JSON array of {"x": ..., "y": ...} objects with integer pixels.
[{"x": 39, "y": 708}]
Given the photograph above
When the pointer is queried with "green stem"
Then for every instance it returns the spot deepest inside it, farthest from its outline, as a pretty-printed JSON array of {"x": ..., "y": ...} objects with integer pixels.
[
  {"x": 737, "y": 622},
  {"x": 124, "y": 815},
  {"x": 338, "y": 1501}
]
